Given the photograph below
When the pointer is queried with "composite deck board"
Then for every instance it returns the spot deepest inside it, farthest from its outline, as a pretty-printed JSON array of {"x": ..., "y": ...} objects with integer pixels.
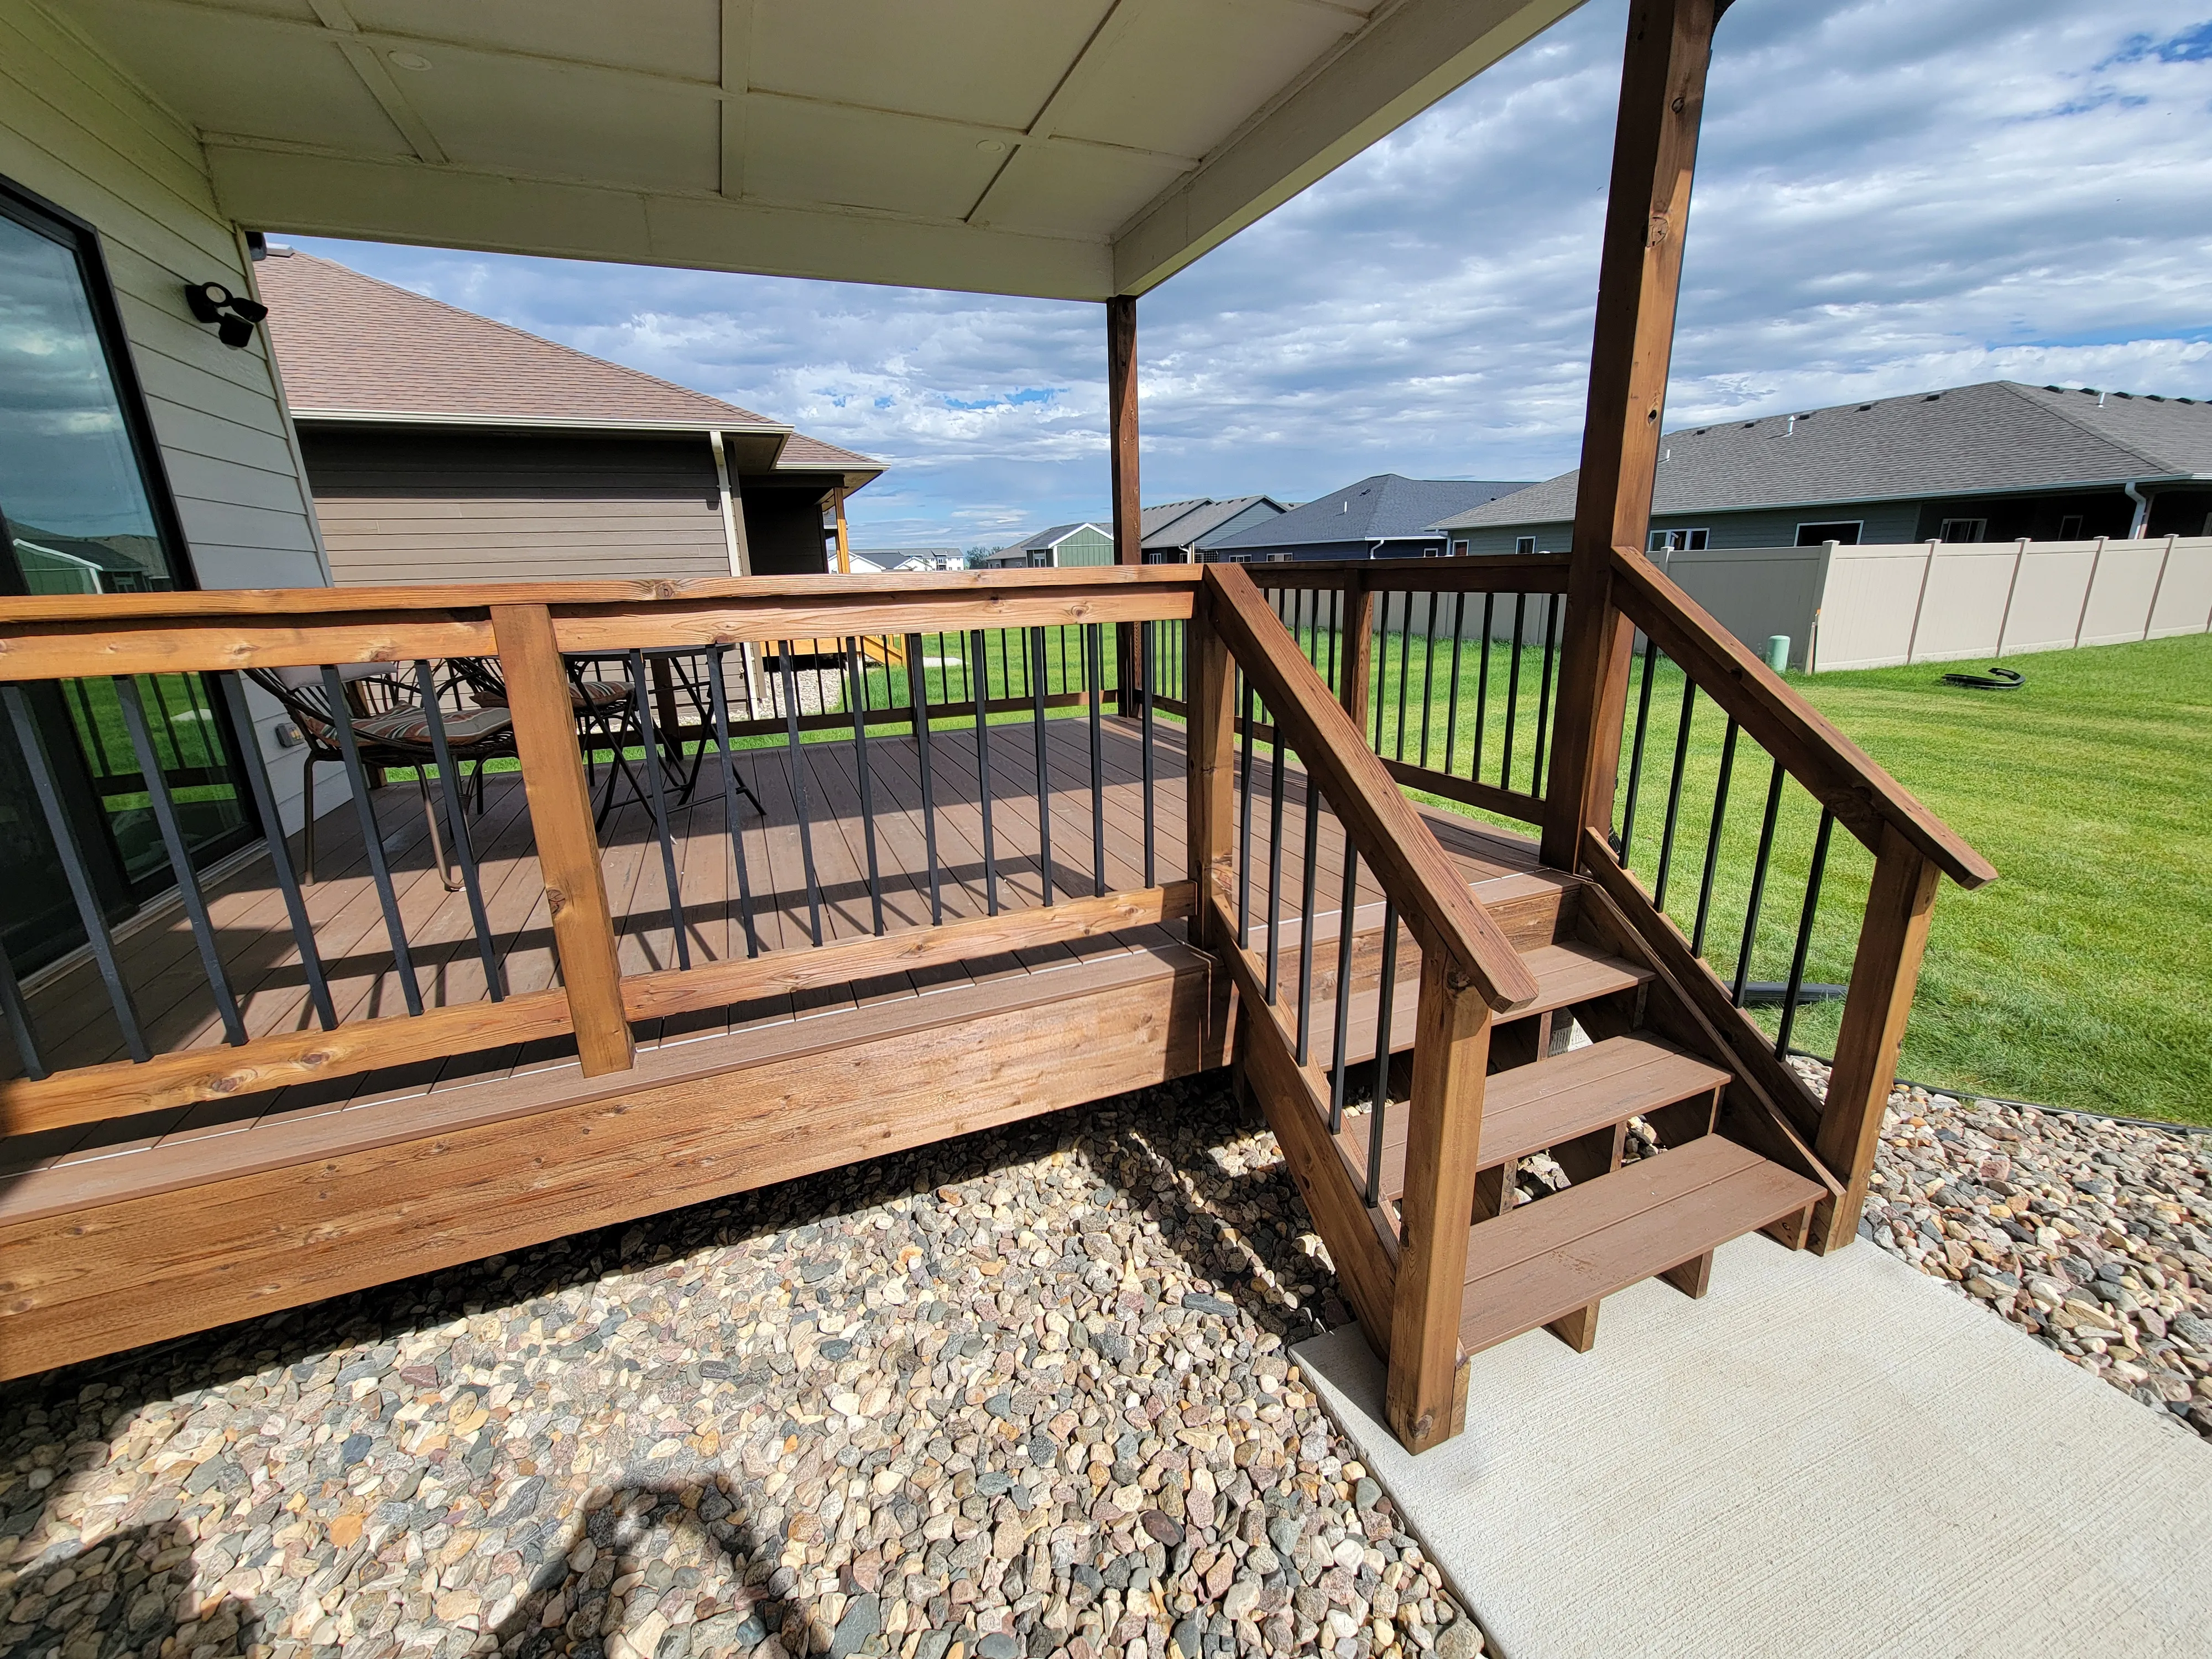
[{"x": 161, "y": 963}]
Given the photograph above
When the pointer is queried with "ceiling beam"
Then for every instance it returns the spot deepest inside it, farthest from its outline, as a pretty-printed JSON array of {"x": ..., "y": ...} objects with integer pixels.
[
  {"x": 291, "y": 188},
  {"x": 1379, "y": 79}
]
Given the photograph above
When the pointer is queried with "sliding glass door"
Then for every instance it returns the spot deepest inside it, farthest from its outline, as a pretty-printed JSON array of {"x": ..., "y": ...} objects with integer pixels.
[{"x": 84, "y": 510}]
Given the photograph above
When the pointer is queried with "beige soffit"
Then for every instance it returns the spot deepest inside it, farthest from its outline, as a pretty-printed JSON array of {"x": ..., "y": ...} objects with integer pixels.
[{"x": 1067, "y": 149}]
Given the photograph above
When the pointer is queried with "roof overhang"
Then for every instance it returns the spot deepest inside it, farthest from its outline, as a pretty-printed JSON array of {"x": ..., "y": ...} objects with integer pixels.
[
  {"x": 1073, "y": 151},
  {"x": 753, "y": 446}
]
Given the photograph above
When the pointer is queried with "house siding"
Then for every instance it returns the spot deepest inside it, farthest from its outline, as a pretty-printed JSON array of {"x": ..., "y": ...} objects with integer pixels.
[
  {"x": 446, "y": 506},
  {"x": 80, "y": 136},
  {"x": 1085, "y": 547}
]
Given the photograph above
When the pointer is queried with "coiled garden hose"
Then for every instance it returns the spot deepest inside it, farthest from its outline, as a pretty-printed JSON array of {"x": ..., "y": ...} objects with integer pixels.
[{"x": 1997, "y": 679}]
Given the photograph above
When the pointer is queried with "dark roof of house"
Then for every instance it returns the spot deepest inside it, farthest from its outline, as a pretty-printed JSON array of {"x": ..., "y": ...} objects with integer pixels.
[
  {"x": 1385, "y": 508},
  {"x": 347, "y": 344},
  {"x": 1992, "y": 438},
  {"x": 1184, "y": 524}
]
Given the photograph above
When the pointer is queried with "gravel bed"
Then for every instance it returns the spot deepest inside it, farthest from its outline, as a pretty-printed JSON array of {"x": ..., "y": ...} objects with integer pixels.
[
  {"x": 2094, "y": 1236},
  {"x": 1019, "y": 1395}
]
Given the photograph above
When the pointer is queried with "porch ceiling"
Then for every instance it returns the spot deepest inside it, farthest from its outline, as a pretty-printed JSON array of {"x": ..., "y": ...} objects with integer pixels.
[{"x": 1073, "y": 150}]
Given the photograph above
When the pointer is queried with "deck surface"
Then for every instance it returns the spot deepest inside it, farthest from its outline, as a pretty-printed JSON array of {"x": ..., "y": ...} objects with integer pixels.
[{"x": 162, "y": 968}]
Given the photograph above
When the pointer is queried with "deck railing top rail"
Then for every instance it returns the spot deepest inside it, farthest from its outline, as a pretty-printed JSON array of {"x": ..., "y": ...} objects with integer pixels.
[{"x": 1513, "y": 572}]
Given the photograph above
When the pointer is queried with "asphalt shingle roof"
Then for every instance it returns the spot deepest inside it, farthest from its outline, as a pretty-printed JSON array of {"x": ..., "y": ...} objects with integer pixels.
[
  {"x": 1180, "y": 524},
  {"x": 1989, "y": 437},
  {"x": 1386, "y": 506}
]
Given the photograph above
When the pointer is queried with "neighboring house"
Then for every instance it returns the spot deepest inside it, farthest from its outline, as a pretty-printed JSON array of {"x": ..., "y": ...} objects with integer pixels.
[
  {"x": 1992, "y": 462},
  {"x": 1058, "y": 548},
  {"x": 1384, "y": 517},
  {"x": 1179, "y": 532},
  {"x": 442, "y": 445},
  {"x": 883, "y": 560}
]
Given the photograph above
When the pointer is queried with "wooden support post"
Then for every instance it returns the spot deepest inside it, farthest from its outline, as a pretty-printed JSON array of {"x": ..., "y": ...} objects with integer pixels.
[
  {"x": 1654, "y": 149},
  {"x": 1121, "y": 450},
  {"x": 1212, "y": 810},
  {"x": 844, "y": 543},
  {"x": 1444, "y": 1136},
  {"x": 1353, "y": 691},
  {"x": 561, "y": 823},
  {"x": 1891, "y": 938}
]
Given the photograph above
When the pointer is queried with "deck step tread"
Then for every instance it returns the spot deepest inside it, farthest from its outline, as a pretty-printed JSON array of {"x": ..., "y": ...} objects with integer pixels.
[
  {"x": 1532, "y": 1107},
  {"x": 1565, "y": 975},
  {"x": 1541, "y": 1261}
]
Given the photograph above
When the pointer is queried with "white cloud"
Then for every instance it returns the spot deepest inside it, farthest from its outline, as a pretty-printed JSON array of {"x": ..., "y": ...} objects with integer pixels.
[{"x": 1892, "y": 194}]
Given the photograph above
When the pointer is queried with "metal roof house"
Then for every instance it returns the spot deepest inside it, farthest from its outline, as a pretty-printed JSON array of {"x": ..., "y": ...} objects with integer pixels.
[
  {"x": 1383, "y": 517},
  {"x": 442, "y": 445},
  {"x": 1179, "y": 532},
  {"x": 1995, "y": 461},
  {"x": 1062, "y": 546}
]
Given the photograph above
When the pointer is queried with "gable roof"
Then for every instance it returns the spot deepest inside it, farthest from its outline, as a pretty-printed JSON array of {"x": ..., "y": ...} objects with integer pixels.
[
  {"x": 1384, "y": 507},
  {"x": 1992, "y": 438},
  {"x": 1185, "y": 524},
  {"x": 1053, "y": 536},
  {"x": 350, "y": 347}
]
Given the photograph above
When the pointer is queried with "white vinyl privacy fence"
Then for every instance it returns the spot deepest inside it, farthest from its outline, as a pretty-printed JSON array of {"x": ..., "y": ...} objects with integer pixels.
[{"x": 1879, "y": 606}]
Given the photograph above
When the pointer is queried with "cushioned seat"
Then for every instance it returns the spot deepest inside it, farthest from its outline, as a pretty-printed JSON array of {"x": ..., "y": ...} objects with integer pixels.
[{"x": 408, "y": 728}]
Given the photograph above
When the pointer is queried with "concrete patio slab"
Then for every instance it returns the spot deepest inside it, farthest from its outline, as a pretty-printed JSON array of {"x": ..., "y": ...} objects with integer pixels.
[{"x": 1823, "y": 1457}]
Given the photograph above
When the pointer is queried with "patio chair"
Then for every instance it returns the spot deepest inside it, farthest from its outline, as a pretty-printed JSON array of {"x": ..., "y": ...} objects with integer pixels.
[
  {"x": 389, "y": 730},
  {"x": 602, "y": 708}
]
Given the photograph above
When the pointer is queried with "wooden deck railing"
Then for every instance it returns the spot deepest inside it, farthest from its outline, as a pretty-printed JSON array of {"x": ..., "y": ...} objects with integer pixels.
[
  {"x": 1402, "y": 1273},
  {"x": 528, "y": 630}
]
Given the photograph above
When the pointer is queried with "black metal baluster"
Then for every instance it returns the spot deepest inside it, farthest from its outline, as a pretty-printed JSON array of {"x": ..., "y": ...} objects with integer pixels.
[
  {"x": 451, "y": 792},
  {"x": 1344, "y": 933},
  {"x": 797, "y": 762},
  {"x": 1482, "y": 688},
  {"x": 1758, "y": 881},
  {"x": 717, "y": 697},
  {"x": 1383, "y": 1013},
  {"x": 33, "y": 742},
  {"x": 1275, "y": 856},
  {"x": 1428, "y": 677},
  {"x": 371, "y": 838},
  {"x": 1306, "y": 917},
  {"x": 1244, "y": 819},
  {"x": 859, "y": 670},
  {"x": 1675, "y": 793},
  {"x": 89, "y": 723},
  {"x": 656, "y": 799},
  {"x": 1405, "y": 663},
  {"x": 983, "y": 774},
  {"x": 1513, "y": 689},
  {"x": 1094, "y": 677},
  {"x": 1713, "y": 840},
  {"x": 919, "y": 683},
  {"x": 280, "y": 855},
  {"x": 1544, "y": 690},
  {"x": 181, "y": 858},
  {"x": 1451, "y": 695},
  {"x": 1039, "y": 669},
  {"x": 1804, "y": 945},
  {"x": 1636, "y": 753},
  {"x": 1145, "y": 678}
]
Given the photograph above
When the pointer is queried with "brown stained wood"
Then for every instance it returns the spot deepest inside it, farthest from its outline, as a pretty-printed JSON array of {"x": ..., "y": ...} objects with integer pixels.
[
  {"x": 1541, "y": 1262},
  {"x": 92, "y": 1281},
  {"x": 122, "y": 1088},
  {"x": 1356, "y": 673},
  {"x": 1692, "y": 1277},
  {"x": 1387, "y": 829},
  {"x": 1209, "y": 799},
  {"x": 738, "y": 979},
  {"x": 1654, "y": 150},
  {"x": 1122, "y": 465},
  {"x": 1471, "y": 792},
  {"x": 1295, "y": 1103},
  {"x": 65, "y": 650},
  {"x": 1840, "y": 775},
  {"x": 1892, "y": 938},
  {"x": 1578, "y": 1329},
  {"x": 1514, "y": 572},
  {"x": 1443, "y": 1137},
  {"x": 568, "y": 846},
  {"x": 606, "y": 628}
]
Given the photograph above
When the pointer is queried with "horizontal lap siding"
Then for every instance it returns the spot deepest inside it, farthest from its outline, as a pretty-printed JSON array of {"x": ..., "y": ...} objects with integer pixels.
[{"x": 461, "y": 506}]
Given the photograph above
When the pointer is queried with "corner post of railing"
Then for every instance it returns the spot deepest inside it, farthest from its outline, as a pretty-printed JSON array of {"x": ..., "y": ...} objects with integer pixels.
[
  {"x": 1353, "y": 690},
  {"x": 1212, "y": 733},
  {"x": 1891, "y": 938},
  {"x": 1426, "y": 1397},
  {"x": 561, "y": 821}
]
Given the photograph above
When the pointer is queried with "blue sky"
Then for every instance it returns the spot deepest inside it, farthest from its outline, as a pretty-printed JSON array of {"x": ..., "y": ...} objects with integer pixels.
[{"x": 1892, "y": 195}]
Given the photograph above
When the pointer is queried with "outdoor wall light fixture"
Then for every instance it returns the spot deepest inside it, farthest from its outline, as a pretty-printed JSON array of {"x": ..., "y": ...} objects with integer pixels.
[{"x": 232, "y": 314}]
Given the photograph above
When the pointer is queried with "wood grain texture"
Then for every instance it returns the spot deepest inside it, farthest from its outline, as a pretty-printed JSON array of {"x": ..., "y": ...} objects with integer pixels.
[
  {"x": 64, "y": 650},
  {"x": 1443, "y": 1141},
  {"x": 1892, "y": 938},
  {"x": 1471, "y": 792},
  {"x": 1209, "y": 804},
  {"x": 1386, "y": 827},
  {"x": 567, "y": 844},
  {"x": 1354, "y": 689}
]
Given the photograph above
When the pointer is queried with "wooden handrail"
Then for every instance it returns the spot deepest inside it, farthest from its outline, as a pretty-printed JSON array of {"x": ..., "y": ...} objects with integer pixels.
[
  {"x": 1385, "y": 828},
  {"x": 1840, "y": 775},
  {"x": 1504, "y": 573}
]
